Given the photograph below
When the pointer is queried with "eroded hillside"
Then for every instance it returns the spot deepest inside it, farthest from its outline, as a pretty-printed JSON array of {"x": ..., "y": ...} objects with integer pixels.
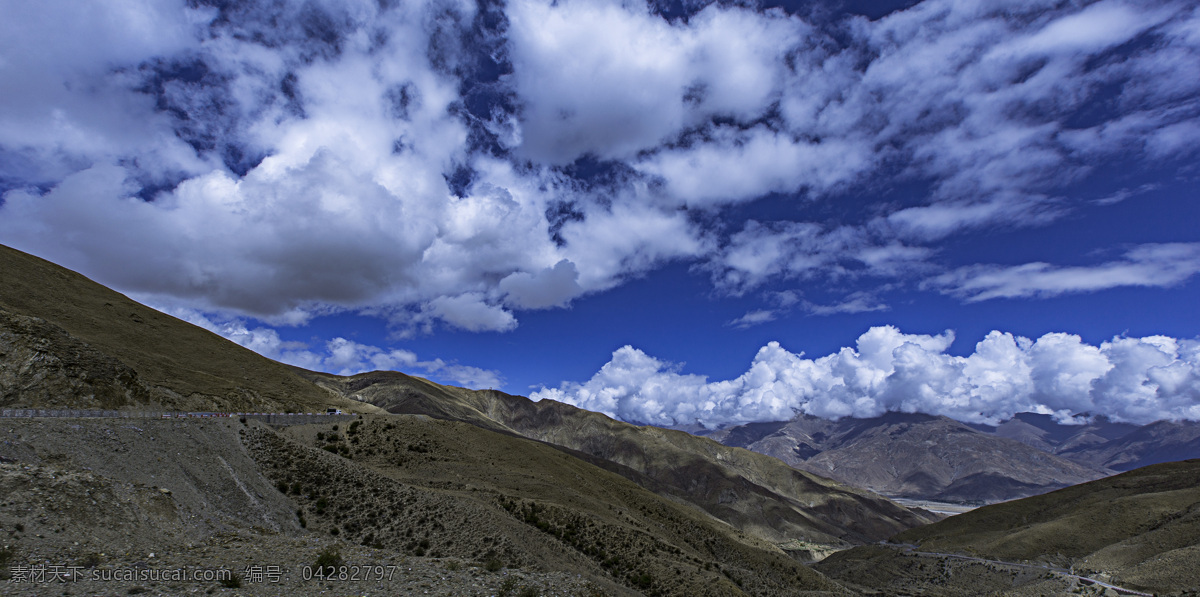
[
  {"x": 438, "y": 500},
  {"x": 753, "y": 492}
]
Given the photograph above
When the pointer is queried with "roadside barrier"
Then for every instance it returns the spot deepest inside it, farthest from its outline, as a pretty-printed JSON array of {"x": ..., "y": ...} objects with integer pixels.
[{"x": 268, "y": 418}]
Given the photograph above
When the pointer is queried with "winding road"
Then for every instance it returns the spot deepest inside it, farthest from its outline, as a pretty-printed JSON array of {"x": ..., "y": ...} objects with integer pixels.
[{"x": 909, "y": 548}]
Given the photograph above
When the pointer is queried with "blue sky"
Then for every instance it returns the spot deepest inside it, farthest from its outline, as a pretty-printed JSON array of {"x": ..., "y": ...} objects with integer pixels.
[{"x": 672, "y": 213}]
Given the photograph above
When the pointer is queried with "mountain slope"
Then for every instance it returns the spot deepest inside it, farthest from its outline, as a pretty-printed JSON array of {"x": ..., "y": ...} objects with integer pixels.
[
  {"x": 680, "y": 512},
  {"x": 1141, "y": 527},
  {"x": 1139, "y": 530},
  {"x": 407, "y": 489},
  {"x": 912, "y": 455},
  {"x": 748, "y": 490},
  {"x": 66, "y": 341},
  {"x": 475, "y": 493}
]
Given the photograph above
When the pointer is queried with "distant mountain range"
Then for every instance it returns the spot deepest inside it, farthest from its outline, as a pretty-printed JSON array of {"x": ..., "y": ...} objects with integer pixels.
[
  {"x": 937, "y": 458},
  {"x": 1102, "y": 443}
]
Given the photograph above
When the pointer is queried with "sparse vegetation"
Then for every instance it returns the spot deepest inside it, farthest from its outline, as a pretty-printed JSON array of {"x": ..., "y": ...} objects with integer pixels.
[
  {"x": 7, "y": 554},
  {"x": 507, "y": 587},
  {"x": 329, "y": 560}
]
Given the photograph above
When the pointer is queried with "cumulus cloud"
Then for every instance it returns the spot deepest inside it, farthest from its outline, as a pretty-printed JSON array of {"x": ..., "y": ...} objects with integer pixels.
[
  {"x": 470, "y": 312},
  {"x": 612, "y": 78},
  {"x": 1137, "y": 380},
  {"x": 551, "y": 287},
  {"x": 1146, "y": 265}
]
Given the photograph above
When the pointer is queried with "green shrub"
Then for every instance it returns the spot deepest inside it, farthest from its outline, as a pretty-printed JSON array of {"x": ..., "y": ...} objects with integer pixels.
[
  {"x": 6, "y": 555},
  {"x": 643, "y": 581},
  {"x": 508, "y": 586},
  {"x": 233, "y": 582},
  {"x": 90, "y": 560},
  {"x": 492, "y": 565},
  {"x": 329, "y": 560}
]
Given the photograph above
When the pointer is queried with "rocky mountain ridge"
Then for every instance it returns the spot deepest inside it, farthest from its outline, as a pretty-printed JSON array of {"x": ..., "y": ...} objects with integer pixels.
[{"x": 913, "y": 456}]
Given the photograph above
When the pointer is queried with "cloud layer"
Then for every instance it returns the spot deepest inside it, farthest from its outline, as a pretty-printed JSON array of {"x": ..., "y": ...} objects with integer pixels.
[
  {"x": 1146, "y": 265},
  {"x": 1138, "y": 380},
  {"x": 418, "y": 160}
]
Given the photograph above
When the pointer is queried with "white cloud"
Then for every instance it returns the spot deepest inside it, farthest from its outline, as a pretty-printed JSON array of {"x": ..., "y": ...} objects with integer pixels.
[
  {"x": 628, "y": 239},
  {"x": 470, "y": 312},
  {"x": 755, "y": 317},
  {"x": 551, "y": 287},
  {"x": 61, "y": 104},
  {"x": 855, "y": 302},
  {"x": 348, "y": 209},
  {"x": 339, "y": 356},
  {"x": 762, "y": 252},
  {"x": 463, "y": 375},
  {"x": 612, "y": 79},
  {"x": 282, "y": 159},
  {"x": 1158, "y": 265},
  {"x": 740, "y": 165},
  {"x": 1127, "y": 379},
  {"x": 933, "y": 222},
  {"x": 1098, "y": 26}
]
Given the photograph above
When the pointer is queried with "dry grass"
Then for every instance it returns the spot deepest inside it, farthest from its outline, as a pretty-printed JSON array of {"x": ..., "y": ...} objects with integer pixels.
[
  {"x": 1140, "y": 529},
  {"x": 450, "y": 489},
  {"x": 177, "y": 365}
]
